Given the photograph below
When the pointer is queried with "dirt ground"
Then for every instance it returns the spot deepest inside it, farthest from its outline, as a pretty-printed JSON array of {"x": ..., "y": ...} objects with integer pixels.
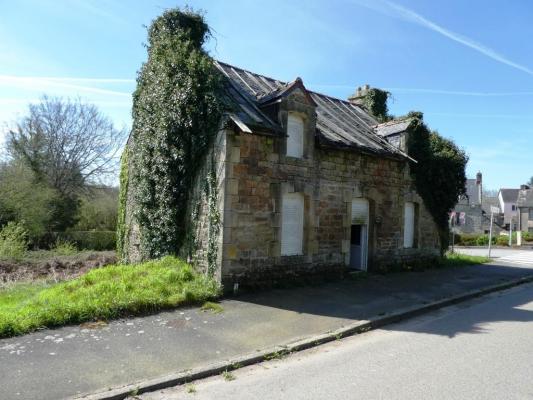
[{"x": 53, "y": 267}]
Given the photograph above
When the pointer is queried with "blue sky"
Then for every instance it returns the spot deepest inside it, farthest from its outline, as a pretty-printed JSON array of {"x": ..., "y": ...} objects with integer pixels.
[{"x": 468, "y": 65}]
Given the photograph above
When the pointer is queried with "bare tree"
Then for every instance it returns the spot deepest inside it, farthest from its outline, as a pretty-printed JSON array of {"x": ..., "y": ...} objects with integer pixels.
[
  {"x": 67, "y": 143},
  {"x": 530, "y": 182}
]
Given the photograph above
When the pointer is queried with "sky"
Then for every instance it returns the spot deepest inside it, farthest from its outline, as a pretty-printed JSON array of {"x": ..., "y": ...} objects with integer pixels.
[{"x": 467, "y": 65}]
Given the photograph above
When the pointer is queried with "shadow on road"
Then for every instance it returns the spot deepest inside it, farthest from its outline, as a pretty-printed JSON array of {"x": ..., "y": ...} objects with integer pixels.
[{"x": 379, "y": 295}]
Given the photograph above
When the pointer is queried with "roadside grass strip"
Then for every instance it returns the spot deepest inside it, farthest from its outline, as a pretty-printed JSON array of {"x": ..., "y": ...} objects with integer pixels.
[
  {"x": 459, "y": 260},
  {"x": 102, "y": 294}
]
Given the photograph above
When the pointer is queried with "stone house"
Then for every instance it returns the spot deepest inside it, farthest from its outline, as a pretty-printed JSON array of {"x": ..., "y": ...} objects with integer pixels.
[
  {"x": 472, "y": 211},
  {"x": 306, "y": 184}
]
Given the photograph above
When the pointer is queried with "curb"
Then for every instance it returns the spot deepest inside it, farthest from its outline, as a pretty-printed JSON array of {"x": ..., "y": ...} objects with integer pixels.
[{"x": 277, "y": 352}]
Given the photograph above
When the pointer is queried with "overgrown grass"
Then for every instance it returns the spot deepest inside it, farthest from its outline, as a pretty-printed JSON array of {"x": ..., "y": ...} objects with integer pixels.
[
  {"x": 104, "y": 293},
  {"x": 459, "y": 260}
]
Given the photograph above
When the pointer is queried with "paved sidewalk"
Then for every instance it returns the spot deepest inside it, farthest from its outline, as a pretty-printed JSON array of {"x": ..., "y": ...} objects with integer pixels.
[{"x": 60, "y": 363}]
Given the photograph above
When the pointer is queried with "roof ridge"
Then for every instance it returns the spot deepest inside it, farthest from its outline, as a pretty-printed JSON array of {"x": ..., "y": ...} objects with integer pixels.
[{"x": 285, "y": 83}]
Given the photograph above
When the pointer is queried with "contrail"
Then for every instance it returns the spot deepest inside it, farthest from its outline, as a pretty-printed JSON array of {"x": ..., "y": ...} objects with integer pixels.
[{"x": 393, "y": 9}]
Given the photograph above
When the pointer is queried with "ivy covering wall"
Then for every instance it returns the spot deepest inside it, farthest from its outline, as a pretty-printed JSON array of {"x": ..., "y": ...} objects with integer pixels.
[
  {"x": 439, "y": 174},
  {"x": 176, "y": 114},
  {"x": 375, "y": 101}
]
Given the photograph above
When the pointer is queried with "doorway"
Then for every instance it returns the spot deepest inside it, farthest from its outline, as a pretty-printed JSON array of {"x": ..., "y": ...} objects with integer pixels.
[{"x": 359, "y": 235}]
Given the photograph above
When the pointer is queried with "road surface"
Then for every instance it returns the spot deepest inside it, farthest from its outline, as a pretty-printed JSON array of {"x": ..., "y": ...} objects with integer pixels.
[
  {"x": 501, "y": 255},
  {"x": 482, "y": 349}
]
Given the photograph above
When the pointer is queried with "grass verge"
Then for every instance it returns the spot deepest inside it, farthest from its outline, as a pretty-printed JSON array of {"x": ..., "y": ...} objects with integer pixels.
[
  {"x": 459, "y": 260},
  {"x": 102, "y": 294}
]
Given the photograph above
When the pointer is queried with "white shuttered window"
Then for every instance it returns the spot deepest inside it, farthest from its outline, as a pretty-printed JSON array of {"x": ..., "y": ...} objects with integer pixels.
[
  {"x": 409, "y": 225},
  {"x": 292, "y": 224},
  {"x": 295, "y": 140}
]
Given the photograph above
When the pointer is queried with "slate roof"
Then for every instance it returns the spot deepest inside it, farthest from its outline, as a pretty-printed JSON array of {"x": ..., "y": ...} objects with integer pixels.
[
  {"x": 339, "y": 123},
  {"x": 392, "y": 127},
  {"x": 509, "y": 195},
  {"x": 525, "y": 198}
]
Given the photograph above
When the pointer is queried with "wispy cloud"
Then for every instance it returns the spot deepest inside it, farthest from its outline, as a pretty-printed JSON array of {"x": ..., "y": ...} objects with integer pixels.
[
  {"x": 406, "y": 14},
  {"x": 43, "y": 83}
]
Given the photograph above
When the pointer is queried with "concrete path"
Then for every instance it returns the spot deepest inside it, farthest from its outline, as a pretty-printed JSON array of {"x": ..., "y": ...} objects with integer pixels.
[
  {"x": 482, "y": 349},
  {"x": 55, "y": 364}
]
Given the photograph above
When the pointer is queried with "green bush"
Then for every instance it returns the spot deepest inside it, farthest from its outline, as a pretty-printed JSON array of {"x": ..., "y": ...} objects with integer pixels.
[
  {"x": 527, "y": 236},
  {"x": 13, "y": 241},
  {"x": 89, "y": 240},
  {"x": 64, "y": 248},
  {"x": 483, "y": 240},
  {"x": 502, "y": 240},
  {"x": 466, "y": 239}
]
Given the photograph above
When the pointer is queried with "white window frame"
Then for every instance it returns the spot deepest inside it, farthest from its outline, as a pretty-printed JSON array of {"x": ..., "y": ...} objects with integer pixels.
[
  {"x": 295, "y": 136},
  {"x": 409, "y": 227},
  {"x": 292, "y": 230}
]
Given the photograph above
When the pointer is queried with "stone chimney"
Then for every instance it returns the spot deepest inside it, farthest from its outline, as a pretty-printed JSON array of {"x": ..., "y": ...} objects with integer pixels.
[
  {"x": 479, "y": 184},
  {"x": 359, "y": 95}
]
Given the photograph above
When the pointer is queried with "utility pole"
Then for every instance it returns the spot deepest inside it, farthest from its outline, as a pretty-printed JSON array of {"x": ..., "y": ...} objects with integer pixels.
[
  {"x": 493, "y": 210},
  {"x": 511, "y": 233}
]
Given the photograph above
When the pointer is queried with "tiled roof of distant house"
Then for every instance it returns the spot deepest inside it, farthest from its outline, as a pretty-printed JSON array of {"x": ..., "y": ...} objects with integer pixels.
[{"x": 509, "y": 195}]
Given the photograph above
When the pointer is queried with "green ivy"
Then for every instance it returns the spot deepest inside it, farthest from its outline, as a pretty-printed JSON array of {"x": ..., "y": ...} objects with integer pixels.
[
  {"x": 122, "y": 230},
  {"x": 176, "y": 113},
  {"x": 439, "y": 174},
  {"x": 214, "y": 221},
  {"x": 375, "y": 101}
]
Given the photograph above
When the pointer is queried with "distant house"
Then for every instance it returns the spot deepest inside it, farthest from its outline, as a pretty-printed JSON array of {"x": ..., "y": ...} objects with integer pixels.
[
  {"x": 524, "y": 204},
  {"x": 507, "y": 199},
  {"x": 469, "y": 213}
]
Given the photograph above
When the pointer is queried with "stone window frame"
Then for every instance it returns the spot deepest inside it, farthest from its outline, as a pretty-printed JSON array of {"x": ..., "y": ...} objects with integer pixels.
[
  {"x": 278, "y": 191},
  {"x": 293, "y": 104}
]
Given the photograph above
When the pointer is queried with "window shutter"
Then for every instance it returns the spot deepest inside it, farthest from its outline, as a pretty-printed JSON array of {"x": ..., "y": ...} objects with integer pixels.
[
  {"x": 359, "y": 212},
  {"x": 409, "y": 225},
  {"x": 295, "y": 140},
  {"x": 292, "y": 225}
]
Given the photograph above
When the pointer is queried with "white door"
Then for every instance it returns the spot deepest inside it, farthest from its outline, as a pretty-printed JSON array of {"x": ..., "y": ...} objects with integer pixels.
[
  {"x": 359, "y": 235},
  {"x": 292, "y": 224}
]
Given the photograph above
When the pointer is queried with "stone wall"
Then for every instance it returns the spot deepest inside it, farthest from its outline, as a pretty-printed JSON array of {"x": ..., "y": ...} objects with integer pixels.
[{"x": 205, "y": 210}]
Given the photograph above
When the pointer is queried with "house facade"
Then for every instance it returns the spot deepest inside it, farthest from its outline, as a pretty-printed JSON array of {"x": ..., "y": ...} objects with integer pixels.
[
  {"x": 508, "y": 207},
  {"x": 306, "y": 185},
  {"x": 470, "y": 216}
]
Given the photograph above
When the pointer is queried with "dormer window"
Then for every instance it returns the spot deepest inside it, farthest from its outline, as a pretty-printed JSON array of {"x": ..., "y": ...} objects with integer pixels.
[{"x": 295, "y": 139}]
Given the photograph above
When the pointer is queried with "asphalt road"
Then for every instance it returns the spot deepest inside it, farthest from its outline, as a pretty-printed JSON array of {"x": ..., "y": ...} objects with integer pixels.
[
  {"x": 522, "y": 256},
  {"x": 482, "y": 349}
]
